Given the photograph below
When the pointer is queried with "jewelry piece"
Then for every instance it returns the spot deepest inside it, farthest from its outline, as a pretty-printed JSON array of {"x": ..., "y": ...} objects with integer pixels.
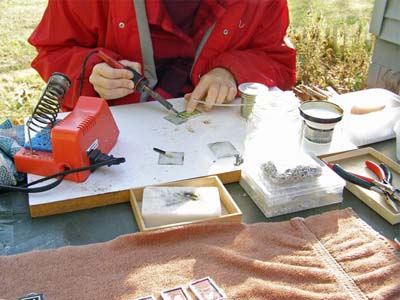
[{"x": 299, "y": 173}]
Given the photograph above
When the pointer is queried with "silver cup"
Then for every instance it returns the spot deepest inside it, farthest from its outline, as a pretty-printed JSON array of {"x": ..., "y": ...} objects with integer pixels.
[{"x": 249, "y": 91}]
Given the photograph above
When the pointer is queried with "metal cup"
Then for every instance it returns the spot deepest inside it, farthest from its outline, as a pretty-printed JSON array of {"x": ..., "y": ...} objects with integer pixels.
[
  {"x": 249, "y": 91},
  {"x": 320, "y": 119}
]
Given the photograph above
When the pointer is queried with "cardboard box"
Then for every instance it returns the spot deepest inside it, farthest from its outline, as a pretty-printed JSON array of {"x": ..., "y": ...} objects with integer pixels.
[{"x": 230, "y": 210}]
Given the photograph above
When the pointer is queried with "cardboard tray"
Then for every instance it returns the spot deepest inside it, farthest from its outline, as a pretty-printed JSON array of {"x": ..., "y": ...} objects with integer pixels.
[
  {"x": 353, "y": 161},
  {"x": 230, "y": 210}
]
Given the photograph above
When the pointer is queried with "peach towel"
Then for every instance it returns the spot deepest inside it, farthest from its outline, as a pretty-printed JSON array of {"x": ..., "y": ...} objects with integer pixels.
[{"x": 332, "y": 256}]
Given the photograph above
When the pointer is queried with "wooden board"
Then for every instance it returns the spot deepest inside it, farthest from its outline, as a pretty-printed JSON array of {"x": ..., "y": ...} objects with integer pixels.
[
  {"x": 353, "y": 161},
  {"x": 231, "y": 212},
  {"x": 142, "y": 127},
  {"x": 81, "y": 203}
]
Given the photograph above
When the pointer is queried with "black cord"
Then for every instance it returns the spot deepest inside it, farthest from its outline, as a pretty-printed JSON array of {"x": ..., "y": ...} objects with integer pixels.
[
  {"x": 8, "y": 188},
  {"x": 83, "y": 70},
  {"x": 25, "y": 188}
]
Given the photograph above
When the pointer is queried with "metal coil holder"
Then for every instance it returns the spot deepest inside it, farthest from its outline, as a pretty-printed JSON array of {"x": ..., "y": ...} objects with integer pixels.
[{"x": 45, "y": 113}]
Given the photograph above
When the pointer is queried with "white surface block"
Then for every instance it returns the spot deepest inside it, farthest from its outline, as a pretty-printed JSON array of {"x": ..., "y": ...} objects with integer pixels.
[
  {"x": 167, "y": 205},
  {"x": 142, "y": 126},
  {"x": 372, "y": 127}
]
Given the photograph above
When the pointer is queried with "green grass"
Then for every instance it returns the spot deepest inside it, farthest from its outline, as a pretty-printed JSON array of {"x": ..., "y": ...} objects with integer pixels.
[
  {"x": 331, "y": 38},
  {"x": 20, "y": 85},
  {"x": 332, "y": 41},
  {"x": 337, "y": 12}
]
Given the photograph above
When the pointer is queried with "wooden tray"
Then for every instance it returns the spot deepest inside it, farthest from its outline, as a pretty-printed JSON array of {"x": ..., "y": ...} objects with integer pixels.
[
  {"x": 353, "y": 161},
  {"x": 230, "y": 211}
]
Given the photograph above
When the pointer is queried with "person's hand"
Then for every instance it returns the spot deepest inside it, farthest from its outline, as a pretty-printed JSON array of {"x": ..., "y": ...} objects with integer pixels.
[
  {"x": 112, "y": 83},
  {"x": 215, "y": 87}
]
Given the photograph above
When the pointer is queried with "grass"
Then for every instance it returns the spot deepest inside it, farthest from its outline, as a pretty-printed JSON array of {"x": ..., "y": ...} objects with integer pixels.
[
  {"x": 338, "y": 12},
  {"x": 20, "y": 85},
  {"x": 331, "y": 38},
  {"x": 332, "y": 41}
]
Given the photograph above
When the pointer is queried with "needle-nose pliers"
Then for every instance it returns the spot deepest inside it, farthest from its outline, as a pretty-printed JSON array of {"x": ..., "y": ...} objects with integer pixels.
[{"x": 383, "y": 185}]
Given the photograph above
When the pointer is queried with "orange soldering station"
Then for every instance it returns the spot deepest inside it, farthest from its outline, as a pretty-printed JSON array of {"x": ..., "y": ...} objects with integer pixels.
[{"x": 79, "y": 142}]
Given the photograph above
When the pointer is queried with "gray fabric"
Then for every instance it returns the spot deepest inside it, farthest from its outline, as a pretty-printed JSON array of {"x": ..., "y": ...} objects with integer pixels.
[
  {"x": 11, "y": 140},
  {"x": 201, "y": 45},
  {"x": 146, "y": 45}
]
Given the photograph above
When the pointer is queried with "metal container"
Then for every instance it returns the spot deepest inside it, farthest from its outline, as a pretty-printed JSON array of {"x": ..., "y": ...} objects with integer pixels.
[
  {"x": 320, "y": 119},
  {"x": 249, "y": 91}
]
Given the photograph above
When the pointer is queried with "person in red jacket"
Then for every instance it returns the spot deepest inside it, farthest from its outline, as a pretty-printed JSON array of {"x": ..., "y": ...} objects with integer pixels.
[{"x": 199, "y": 49}]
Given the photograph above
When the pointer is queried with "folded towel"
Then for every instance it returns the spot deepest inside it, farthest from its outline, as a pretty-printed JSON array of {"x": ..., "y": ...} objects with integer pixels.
[{"x": 333, "y": 256}]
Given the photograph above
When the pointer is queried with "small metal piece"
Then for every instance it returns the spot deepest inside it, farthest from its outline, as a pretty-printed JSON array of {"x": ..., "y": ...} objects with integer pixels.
[
  {"x": 169, "y": 155},
  {"x": 226, "y": 31},
  {"x": 388, "y": 173},
  {"x": 238, "y": 160},
  {"x": 190, "y": 195},
  {"x": 223, "y": 149},
  {"x": 180, "y": 197},
  {"x": 175, "y": 119},
  {"x": 389, "y": 189},
  {"x": 121, "y": 25},
  {"x": 391, "y": 203},
  {"x": 172, "y": 158}
]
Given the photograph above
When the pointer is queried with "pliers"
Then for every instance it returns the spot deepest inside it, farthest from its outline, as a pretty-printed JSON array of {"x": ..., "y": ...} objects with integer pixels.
[{"x": 382, "y": 186}]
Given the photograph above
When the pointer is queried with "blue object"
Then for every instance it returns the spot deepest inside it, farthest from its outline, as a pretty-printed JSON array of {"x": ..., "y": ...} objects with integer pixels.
[
  {"x": 11, "y": 141},
  {"x": 41, "y": 141}
]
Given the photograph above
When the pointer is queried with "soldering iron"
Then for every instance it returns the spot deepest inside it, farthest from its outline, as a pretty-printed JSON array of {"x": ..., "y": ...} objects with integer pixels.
[{"x": 141, "y": 83}]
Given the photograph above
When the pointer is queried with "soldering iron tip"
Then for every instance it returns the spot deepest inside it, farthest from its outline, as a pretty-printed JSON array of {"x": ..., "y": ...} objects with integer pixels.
[{"x": 175, "y": 111}]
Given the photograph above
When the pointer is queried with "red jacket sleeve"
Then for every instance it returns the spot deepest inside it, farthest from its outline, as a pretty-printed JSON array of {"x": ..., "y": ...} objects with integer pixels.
[
  {"x": 63, "y": 39},
  {"x": 272, "y": 61}
]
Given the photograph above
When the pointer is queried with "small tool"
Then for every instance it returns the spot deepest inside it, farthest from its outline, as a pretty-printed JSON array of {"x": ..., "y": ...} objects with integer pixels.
[
  {"x": 382, "y": 186},
  {"x": 192, "y": 196},
  {"x": 163, "y": 152},
  {"x": 141, "y": 83}
]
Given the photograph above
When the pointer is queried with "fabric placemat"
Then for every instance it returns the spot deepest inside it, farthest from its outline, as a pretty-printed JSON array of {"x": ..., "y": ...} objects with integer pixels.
[{"x": 332, "y": 256}]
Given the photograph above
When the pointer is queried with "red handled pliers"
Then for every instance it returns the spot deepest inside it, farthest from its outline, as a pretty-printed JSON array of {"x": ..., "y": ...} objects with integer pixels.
[{"x": 382, "y": 186}]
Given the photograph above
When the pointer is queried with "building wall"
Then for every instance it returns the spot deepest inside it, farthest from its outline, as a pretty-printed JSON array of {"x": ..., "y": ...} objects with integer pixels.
[{"x": 384, "y": 70}]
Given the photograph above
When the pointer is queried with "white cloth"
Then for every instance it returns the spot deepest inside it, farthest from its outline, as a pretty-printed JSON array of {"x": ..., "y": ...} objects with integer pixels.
[{"x": 371, "y": 127}]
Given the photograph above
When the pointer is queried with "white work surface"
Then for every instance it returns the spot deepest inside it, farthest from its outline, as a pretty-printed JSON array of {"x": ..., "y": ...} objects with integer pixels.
[{"x": 142, "y": 127}]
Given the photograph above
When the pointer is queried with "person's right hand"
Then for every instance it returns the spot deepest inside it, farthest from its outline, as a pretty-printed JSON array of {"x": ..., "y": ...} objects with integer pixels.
[{"x": 112, "y": 83}]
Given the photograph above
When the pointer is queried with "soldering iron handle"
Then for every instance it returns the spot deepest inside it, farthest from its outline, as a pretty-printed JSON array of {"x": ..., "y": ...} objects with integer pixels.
[
  {"x": 141, "y": 83},
  {"x": 109, "y": 60},
  {"x": 351, "y": 177},
  {"x": 137, "y": 79}
]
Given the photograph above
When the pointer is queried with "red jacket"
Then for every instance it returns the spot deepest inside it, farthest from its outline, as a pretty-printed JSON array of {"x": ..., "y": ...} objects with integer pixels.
[{"x": 247, "y": 39}]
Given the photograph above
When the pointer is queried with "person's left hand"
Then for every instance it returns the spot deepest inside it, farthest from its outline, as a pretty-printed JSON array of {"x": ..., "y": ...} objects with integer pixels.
[{"x": 215, "y": 87}]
